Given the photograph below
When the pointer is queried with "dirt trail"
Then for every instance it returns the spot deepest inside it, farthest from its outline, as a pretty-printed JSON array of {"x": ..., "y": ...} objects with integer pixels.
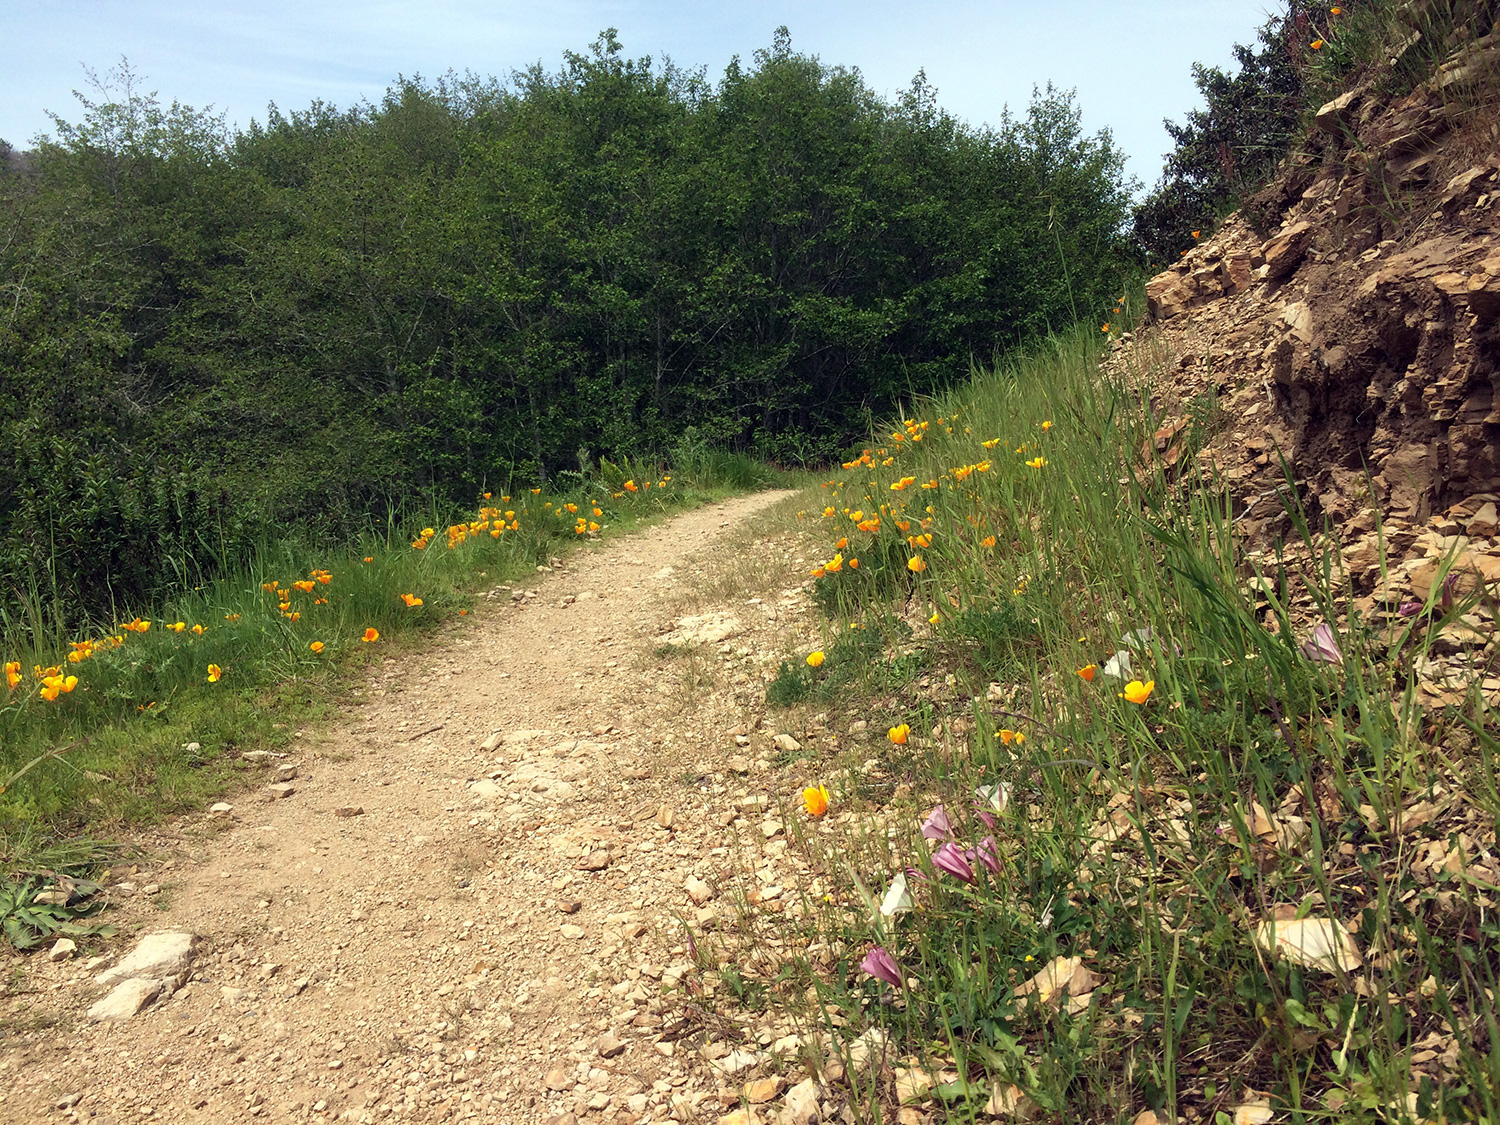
[{"x": 413, "y": 962}]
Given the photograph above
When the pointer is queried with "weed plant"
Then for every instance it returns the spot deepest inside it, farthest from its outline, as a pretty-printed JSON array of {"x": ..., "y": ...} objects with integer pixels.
[{"x": 1158, "y": 760}]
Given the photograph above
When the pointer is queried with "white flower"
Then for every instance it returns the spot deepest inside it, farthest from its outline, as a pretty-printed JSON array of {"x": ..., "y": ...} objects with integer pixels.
[
  {"x": 1118, "y": 665},
  {"x": 996, "y": 796},
  {"x": 897, "y": 898}
]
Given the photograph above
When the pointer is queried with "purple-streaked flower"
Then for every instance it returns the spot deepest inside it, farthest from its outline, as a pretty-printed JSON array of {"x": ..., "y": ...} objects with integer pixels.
[
  {"x": 1324, "y": 646},
  {"x": 882, "y": 966},
  {"x": 988, "y": 818},
  {"x": 937, "y": 826},
  {"x": 950, "y": 859},
  {"x": 1411, "y": 607},
  {"x": 986, "y": 852},
  {"x": 918, "y": 875},
  {"x": 1450, "y": 586}
]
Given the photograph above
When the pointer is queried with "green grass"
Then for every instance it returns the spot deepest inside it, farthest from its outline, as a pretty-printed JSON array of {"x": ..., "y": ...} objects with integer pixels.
[
  {"x": 144, "y": 733},
  {"x": 1131, "y": 837}
]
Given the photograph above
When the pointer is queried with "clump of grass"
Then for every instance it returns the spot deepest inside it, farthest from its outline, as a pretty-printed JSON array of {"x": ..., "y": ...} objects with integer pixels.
[{"x": 1258, "y": 759}]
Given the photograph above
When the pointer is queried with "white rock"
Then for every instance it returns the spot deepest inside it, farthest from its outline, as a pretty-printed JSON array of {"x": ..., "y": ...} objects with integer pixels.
[
  {"x": 220, "y": 808},
  {"x": 162, "y": 955},
  {"x": 787, "y": 742},
  {"x": 736, "y": 1061},
  {"x": 62, "y": 950},
  {"x": 699, "y": 891},
  {"x": 128, "y": 998},
  {"x": 485, "y": 789},
  {"x": 871, "y": 1044},
  {"x": 802, "y": 1102},
  {"x": 1317, "y": 943}
]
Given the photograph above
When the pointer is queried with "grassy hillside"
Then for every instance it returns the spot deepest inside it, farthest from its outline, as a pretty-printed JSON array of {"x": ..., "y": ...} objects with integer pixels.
[{"x": 1146, "y": 822}]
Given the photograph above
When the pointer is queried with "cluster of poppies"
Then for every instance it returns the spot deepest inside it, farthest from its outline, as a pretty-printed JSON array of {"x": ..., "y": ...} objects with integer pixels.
[{"x": 871, "y": 512}]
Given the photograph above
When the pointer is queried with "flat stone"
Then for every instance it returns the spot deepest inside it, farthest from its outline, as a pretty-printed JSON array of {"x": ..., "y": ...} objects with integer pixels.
[
  {"x": 786, "y": 742},
  {"x": 281, "y": 791},
  {"x": 128, "y": 998},
  {"x": 62, "y": 950},
  {"x": 349, "y": 810},
  {"x": 220, "y": 808},
  {"x": 559, "y": 1079},
  {"x": 761, "y": 1090},
  {"x": 665, "y": 817},
  {"x": 737, "y": 1061},
  {"x": 594, "y": 861},
  {"x": 1486, "y": 522},
  {"x": 286, "y": 772},
  {"x": 697, "y": 890},
  {"x": 609, "y": 1045},
  {"x": 161, "y": 955},
  {"x": 485, "y": 789},
  {"x": 802, "y": 1103},
  {"x": 570, "y": 906},
  {"x": 571, "y": 931}
]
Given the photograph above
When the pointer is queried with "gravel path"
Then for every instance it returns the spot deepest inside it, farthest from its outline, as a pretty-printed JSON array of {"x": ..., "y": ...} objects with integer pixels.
[{"x": 494, "y": 936}]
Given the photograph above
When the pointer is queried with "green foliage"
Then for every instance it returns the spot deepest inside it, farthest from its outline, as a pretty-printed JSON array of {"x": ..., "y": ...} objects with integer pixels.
[
  {"x": 1234, "y": 144},
  {"x": 1306, "y": 55},
  {"x": 28, "y": 923},
  {"x": 211, "y": 338},
  {"x": 791, "y": 685}
]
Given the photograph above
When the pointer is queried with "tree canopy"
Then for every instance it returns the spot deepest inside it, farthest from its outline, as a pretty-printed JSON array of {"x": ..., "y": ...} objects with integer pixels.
[{"x": 207, "y": 332}]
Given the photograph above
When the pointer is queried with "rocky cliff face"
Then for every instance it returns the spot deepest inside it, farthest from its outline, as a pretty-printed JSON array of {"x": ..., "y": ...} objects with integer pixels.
[
  {"x": 1348, "y": 322},
  {"x": 1362, "y": 332}
]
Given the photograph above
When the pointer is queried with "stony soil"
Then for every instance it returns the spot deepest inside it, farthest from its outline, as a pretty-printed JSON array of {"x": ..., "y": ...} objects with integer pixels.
[{"x": 547, "y": 793}]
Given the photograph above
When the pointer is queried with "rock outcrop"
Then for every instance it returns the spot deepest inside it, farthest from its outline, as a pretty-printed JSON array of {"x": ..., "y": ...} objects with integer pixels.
[{"x": 1359, "y": 331}]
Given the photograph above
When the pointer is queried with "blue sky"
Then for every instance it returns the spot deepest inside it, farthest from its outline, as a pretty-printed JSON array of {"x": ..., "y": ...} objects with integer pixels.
[{"x": 1129, "y": 60}]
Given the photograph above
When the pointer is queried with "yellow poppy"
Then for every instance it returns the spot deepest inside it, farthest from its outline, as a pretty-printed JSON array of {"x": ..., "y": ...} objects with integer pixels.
[
  {"x": 1086, "y": 673},
  {"x": 1137, "y": 692},
  {"x": 411, "y": 600},
  {"x": 371, "y": 635},
  {"x": 815, "y": 798},
  {"x": 316, "y": 646},
  {"x": 916, "y": 564},
  {"x": 214, "y": 672},
  {"x": 814, "y": 659},
  {"x": 899, "y": 734}
]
